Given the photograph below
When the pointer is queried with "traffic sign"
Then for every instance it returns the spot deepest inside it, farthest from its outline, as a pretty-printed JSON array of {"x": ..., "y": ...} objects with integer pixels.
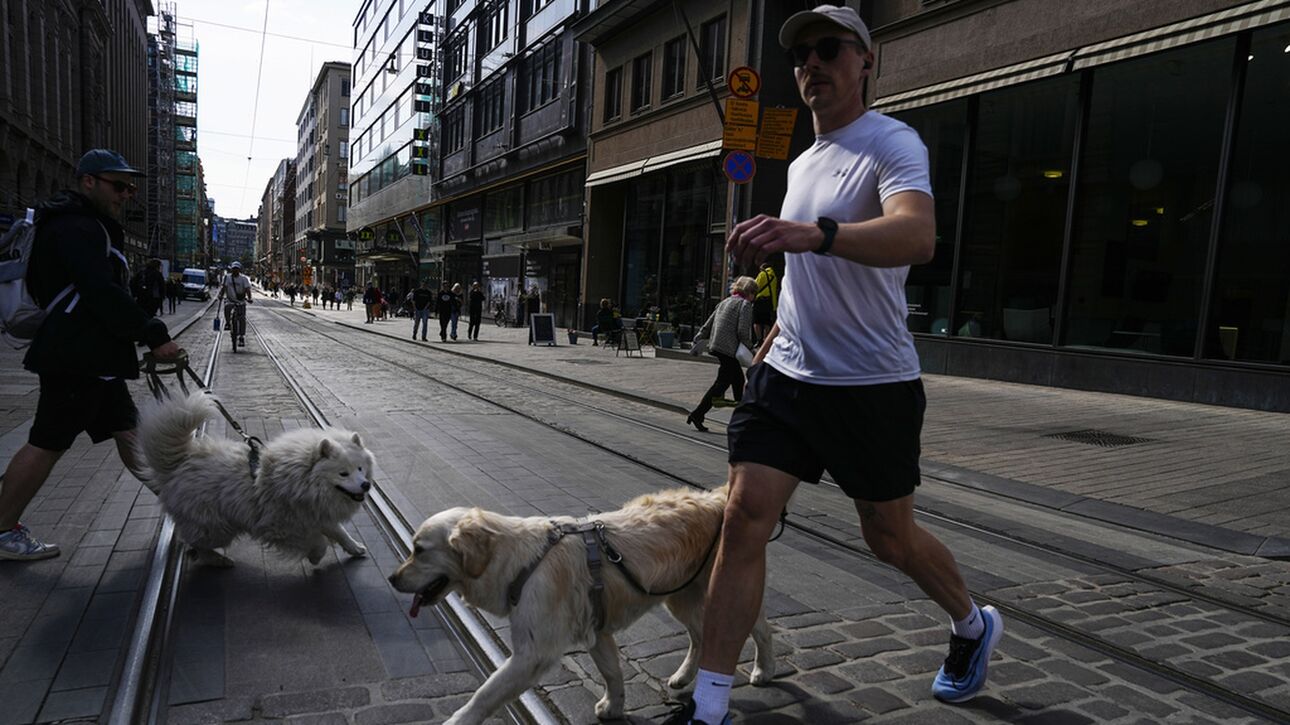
[
  {"x": 744, "y": 82},
  {"x": 741, "y": 112},
  {"x": 739, "y": 167},
  {"x": 739, "y": 137},
  {"x": 778, "y": 121}
]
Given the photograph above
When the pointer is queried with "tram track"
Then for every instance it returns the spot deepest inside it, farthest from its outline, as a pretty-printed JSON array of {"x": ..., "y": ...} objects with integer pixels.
[{"x": 1192, "y": 682}]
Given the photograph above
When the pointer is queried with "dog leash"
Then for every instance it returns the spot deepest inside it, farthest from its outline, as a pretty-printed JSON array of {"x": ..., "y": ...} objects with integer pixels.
[{"x": 154, "y": 369}]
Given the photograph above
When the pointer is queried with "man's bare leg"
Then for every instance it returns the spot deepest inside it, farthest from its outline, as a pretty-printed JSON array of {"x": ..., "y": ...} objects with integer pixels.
[
  {"x": 757, "y": 496},
  {"x": 893, "y": 536},
  {"x": 27, "y": 472}
]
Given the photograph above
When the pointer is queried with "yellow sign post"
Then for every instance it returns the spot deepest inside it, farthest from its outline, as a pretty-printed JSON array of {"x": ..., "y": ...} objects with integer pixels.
[{"x": 776, "y": 132}]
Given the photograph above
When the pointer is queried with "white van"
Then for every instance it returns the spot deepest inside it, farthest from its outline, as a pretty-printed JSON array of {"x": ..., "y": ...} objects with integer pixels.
[{"x": 194, "y": 282}]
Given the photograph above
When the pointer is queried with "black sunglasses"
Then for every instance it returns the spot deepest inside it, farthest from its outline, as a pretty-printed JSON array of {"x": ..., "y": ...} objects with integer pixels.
[
  {"x": 826, "y": 50},
  {"x": 120, "y": 186}
]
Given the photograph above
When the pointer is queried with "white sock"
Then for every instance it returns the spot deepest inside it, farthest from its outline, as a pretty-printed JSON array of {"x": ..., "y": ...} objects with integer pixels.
[
  {"x": 972, "y": 626},
  {"x": 711, "y": 696}
]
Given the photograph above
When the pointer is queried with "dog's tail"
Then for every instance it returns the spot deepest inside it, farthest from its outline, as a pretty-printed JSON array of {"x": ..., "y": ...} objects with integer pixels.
[{"x": 166, "y": 433}]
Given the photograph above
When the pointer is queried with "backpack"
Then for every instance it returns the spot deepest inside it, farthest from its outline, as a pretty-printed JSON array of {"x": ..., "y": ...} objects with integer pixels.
[{"x": 20, "y": 314}]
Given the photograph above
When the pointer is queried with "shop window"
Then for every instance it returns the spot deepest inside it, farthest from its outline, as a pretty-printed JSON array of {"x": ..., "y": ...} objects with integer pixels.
[
  {"x": 504, "y": 211},
  {"x": 644, "y": 216},
  {"x": 1017, "y": 193},
  {"x": 1147, "y": 177},
  {"x": 555, "y": 199},
  {"x": 927, "y": 289},
  {"x": 685, "y": 239},
  {"x": 1250, "y": 315}
]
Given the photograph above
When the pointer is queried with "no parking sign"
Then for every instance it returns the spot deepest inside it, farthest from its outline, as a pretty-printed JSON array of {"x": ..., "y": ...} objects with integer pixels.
[{"x": 739, "y": 167}]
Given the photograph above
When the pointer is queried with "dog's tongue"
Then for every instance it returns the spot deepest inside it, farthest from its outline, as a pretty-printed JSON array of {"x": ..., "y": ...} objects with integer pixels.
[{"x": 416, "y": 605}]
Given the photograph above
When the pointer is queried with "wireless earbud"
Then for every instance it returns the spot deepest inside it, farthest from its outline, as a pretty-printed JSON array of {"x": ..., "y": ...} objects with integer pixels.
[{"x": 867, "y": 65}]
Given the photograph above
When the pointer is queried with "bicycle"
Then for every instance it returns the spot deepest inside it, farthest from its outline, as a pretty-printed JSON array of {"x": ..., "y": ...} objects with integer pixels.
[
  {"x": 501, "y": 317},
  {"x": 235, "y": 321}
]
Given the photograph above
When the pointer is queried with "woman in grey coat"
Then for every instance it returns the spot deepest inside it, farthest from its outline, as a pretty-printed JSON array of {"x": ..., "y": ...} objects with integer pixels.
[{"x": 729, "y": 326}]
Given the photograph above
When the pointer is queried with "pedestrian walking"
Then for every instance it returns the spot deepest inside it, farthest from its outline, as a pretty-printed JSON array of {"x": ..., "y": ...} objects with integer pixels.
[
  {"x": 172, "y": 294},
  {"x": 767, "y": 300},
  {"x": 84, "y": 350},
  {"x": 349, "y": 298},
  {"x": 476, "y": 311},
  {"x": 840, "y": 389},
  {"x": 372, "y": 301},
  {"x": 456, "y": 309},
  {"x": 335, "y": 299},
  {"x": 729, "y": 327},
  {"x": 291, "y": 294},
  {"x": 443, "y": 310},
  {"x": 422, "y": 298},
  {"x": 313, "y": 292}
]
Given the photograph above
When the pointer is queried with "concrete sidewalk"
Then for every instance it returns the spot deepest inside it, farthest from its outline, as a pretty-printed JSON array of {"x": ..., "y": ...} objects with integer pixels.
[{"x": 1215, "y": 476}]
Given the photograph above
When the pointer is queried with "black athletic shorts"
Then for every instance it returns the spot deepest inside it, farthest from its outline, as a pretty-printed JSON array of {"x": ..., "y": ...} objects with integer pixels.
[
  {"x": 763, "y": 311},
  {"x": 865, "y": 436},
  {"x": 71, "y": 404}
]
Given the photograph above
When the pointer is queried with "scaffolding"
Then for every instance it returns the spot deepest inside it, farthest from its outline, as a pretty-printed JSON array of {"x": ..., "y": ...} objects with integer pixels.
[{"x": 173, "y": 196}]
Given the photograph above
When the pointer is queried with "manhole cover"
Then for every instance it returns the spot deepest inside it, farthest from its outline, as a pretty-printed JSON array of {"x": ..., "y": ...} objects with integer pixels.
[
  {"x": 583, "y": 361},
  {"x": 1101, "y": 438}
]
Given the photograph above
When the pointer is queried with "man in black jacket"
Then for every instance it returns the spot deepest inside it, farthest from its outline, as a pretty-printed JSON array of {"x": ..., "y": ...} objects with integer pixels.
[{"x": 84, "y": 351}]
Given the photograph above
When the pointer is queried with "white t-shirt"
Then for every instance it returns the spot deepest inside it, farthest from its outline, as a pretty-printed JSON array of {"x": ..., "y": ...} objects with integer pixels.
[
  {"x": 236, "y": 288},
  {"x": 840, "y": 322}
]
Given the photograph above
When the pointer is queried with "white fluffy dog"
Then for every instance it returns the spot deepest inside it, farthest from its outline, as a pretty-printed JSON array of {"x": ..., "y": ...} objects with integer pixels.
[
  {"x": 308, "y": 482},
  {"x": 663, "y": 538}
]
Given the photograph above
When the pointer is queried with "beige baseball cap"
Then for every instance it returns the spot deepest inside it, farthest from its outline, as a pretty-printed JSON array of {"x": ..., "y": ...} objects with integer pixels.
[{"x": 844, "y": 17}]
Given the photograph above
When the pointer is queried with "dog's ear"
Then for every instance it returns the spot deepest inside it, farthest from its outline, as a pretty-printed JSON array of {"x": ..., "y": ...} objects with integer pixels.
[
  {"x": 473, "y": 542},
  {"x": 325, "y": 448},
  {"x": 357, "y": 441}
]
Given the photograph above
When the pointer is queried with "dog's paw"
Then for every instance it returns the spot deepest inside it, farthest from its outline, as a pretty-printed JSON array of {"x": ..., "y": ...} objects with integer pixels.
[
  {"x": 680, "y": 679},
  {"x": 316, "y": 555},
  {"x": 760, "y": 677},
  {"x": 357, "y": 550},
  {"x": 606, "y": 710}
]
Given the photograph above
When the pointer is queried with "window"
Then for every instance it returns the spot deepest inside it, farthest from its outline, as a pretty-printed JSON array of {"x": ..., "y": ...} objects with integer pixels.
[
  {"x": 492, "y": 105},
  {"x": 455, "y": 60},
  {"x": 454, "y": 130},
  {"x": 674, "y": 67},
  {"x": 1145, "y": 200},
  {"x": 344, "y": 87},
  {"x": 344, "y": 117},
  {"x": 543, "y": 74},
  {"x": 712, "y": 50},
  {"x": 494, "y": 25},
  {"x": 613, "y": 101},
  {"x": 343, "y": 150},
  {"x": 342, "y": 213},
  {"x": 642, "y": 69}
]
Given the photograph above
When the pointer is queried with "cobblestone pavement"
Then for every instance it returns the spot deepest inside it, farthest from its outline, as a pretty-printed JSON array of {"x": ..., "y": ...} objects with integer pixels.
[
  {"x": 858, "y": 641},
  {"x": 271, "y": 641}
]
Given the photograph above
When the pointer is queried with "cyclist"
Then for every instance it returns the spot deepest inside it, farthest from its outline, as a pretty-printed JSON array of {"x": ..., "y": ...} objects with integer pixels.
[{"x": 236, "y": 288}]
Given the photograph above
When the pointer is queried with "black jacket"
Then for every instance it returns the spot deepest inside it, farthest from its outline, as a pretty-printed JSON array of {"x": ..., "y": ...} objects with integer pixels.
[
  {"x": 421, "y": 298},
  {"x": 96, "y": 337},
  {"x": 443, "y": 305}
]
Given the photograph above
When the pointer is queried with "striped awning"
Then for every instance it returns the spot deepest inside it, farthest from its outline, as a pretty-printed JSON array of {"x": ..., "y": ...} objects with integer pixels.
[
  {"x": 1195, "y": 30},
  {"x": 1049, "y": 65},
  {"x": 1204, "y": 27},
  {"x": 654, "y": 163}
]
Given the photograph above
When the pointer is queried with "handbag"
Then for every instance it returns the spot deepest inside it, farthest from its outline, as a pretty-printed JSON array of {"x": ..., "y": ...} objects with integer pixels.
[
  {"x": 699, "y": 347},
  {"x": 744, "y": 355}
]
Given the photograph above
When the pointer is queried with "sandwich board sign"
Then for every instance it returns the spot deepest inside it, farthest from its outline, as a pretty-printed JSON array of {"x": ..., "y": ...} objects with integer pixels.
[{"x": 542, "y": 329}]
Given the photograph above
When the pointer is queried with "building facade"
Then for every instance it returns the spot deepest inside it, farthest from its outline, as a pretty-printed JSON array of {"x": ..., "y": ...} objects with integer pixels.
[
  {"x": 1110, "y": 201},
  {"x": 73, "y": 76},
  {"x": 174, "y": 194},
  {"x": 394, "y": 105},
  {"x": 322, "y": 179},
  {"x": 234, "y": 240}
]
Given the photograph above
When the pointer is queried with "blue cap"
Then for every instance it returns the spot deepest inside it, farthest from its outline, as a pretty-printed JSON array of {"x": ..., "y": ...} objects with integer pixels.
[
  {"x": 235, "y": 265},
  {"x": 102, "y": 161}
]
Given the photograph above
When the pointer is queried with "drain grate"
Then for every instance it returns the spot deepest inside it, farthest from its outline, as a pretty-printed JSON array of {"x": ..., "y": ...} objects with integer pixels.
[
  {"x": 1100, "y": 438},
  {"x": 583, "y": 361}
]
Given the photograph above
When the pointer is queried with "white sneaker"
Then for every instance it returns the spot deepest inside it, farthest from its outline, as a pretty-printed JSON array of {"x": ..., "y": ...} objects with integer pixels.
[{"x": 17, "y": 544}]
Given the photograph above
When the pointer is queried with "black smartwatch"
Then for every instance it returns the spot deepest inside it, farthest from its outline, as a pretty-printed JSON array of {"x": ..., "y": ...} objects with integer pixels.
[{"x": 830, "y": 229}]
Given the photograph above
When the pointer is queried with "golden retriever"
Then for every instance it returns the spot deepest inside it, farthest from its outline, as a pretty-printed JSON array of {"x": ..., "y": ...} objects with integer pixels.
[{"x": 663, "y": 538}]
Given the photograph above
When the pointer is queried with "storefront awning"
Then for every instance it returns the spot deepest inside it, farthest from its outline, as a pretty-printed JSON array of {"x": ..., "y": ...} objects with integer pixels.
[
  {"x": 1194, "y": 30},
  {"x": 1204, "y": 27},
  {"x": 1049, "y": 65},
  {"x": 654, "y": 163},
  {"x": 544, "y": 239}
]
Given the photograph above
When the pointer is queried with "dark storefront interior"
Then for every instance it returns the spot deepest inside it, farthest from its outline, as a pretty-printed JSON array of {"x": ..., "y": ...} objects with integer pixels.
[{"x": 1117, "y": 208}]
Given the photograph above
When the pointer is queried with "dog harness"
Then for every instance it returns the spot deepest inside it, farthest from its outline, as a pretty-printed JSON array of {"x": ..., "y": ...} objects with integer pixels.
[{"x": 593, "y": 536}]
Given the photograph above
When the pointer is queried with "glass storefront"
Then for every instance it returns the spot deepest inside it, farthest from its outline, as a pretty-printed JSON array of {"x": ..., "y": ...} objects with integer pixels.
[{"x": 1136, "y": 231}]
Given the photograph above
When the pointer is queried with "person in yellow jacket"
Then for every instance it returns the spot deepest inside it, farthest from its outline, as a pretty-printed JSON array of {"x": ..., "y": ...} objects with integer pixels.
[{"x": 766, "y": 302}]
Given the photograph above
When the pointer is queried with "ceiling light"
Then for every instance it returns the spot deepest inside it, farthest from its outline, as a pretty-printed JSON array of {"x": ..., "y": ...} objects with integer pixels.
[
  {"x": 1138, "y": 222},
  {"x": 1251, "y": 57},
  {"x": 1053, "y": 174},
  {"x": 1160, "y": 210}
]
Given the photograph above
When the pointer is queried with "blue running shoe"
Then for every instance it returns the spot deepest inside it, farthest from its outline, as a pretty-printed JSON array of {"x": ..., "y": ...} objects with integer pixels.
[
  {"x": 963, "y": 674},
  {"x": 684, "y": 715}
]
